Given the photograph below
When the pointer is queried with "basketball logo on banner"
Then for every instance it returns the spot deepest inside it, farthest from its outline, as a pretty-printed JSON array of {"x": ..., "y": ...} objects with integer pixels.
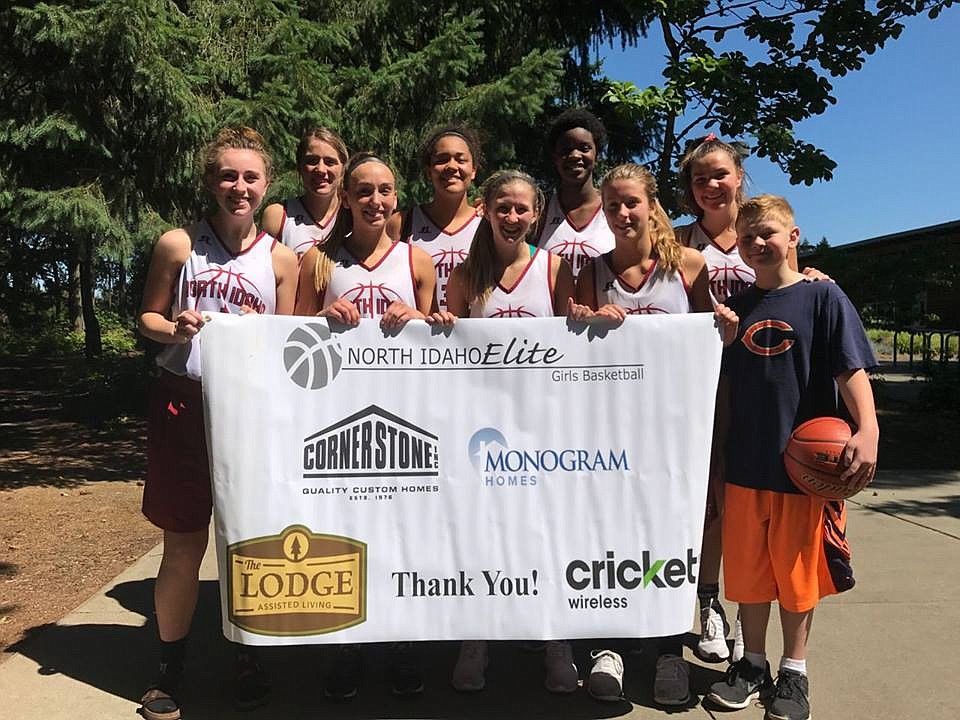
[{"x": 312, "y": 356}]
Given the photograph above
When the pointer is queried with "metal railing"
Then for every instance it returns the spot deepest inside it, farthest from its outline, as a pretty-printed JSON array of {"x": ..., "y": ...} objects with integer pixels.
[{"x": 923, "y": 351}]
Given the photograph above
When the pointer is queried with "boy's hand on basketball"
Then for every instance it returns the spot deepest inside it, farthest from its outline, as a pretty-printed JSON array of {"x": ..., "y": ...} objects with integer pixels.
[
  {"x": 859, "y": 459},
  {"x": 397, "y": 315},
  {"x": 342, "y": 310},
  {"x": 814, "y": 274},
  {"x": 186, "y": 325},
  {"x": 727, "y": 322},
  {"x": 441, "y": 317}
]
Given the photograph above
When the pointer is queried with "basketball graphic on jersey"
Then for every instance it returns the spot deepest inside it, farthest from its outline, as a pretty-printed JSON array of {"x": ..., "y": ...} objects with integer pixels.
[
  {"x": 312, "y": 356},
  {"x": 727, "y": 280},
  {"x": 444, "y": 261},
  {"x": 371, "y": 299},
  {"x": 230, "y": 287},
  {"x": 512, "y": 312},
  {"x": 576, "y": 252}
]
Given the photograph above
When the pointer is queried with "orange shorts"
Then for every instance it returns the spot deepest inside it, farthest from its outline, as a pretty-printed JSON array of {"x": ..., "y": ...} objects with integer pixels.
[{"x": 783, "y": 547}]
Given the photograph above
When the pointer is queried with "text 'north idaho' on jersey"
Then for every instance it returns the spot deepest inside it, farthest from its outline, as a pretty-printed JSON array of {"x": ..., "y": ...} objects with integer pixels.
[
  {"x": 373, "y": 288},
  {"x": 446, "y": 250}
]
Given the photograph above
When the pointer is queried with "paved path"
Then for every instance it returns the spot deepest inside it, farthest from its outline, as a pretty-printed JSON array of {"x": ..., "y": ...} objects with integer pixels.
[{"x": 887, "y": 649}]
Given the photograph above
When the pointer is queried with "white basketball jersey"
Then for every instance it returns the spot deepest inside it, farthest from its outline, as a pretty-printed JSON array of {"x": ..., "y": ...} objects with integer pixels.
[
  {"x": 373, "y": 288},
  {"x": 573, "y": 244},
  {"x": 660, "y": 292},
  {"x": 530, "y": 296},
  {"x": 446, "y": 250},
  {"x": 215, "y": 280},
  {"x": 299, "y": 231},
  {"x": 729, "y": 274}
]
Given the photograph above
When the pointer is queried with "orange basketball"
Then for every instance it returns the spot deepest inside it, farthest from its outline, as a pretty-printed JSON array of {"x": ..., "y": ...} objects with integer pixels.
[{"x": 812, "y": 458}]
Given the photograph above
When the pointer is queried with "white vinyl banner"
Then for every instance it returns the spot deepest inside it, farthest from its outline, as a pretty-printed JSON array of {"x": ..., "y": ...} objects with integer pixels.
[{"x": 501, "y": 479}]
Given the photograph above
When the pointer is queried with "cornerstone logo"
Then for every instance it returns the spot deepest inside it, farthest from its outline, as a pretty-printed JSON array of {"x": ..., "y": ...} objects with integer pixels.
[
  {"x": 297, "y": 583},
  {"x": 371, "y": 443},
  {"x": 500, "y": 465},
  {"x": 312, "y": 356}
]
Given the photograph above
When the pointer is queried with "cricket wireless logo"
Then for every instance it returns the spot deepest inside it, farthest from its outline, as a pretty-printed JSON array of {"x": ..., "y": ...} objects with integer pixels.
[
  {"x": 371, "y": 443},
  {"x": 297, "y": 583},
  {"x": 611, "y": 574},
  {"x": 500, "y": 465}
]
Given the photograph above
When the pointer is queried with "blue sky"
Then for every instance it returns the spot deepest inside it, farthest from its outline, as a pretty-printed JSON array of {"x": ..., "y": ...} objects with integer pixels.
[{"x": 894, "y": 133}]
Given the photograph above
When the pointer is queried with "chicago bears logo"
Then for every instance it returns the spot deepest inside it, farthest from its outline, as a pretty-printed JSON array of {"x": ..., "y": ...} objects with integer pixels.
[
  {"x": 769, "y": 337},
  {"x": 229, "y": 287},
  {"x": 512, "y": 312},
  {"x": 372, "y": 300}
]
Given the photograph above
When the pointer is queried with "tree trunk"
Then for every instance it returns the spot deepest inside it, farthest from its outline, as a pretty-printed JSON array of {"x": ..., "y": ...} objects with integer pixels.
[
  {"x": 74, "y": 304},
  {"x": 93, "y": 343}
]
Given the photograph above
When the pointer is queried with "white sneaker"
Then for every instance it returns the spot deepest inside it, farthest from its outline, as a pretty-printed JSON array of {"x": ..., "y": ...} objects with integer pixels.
[
  {"x": 672, "y": 683},
  {"x": 606, "y": 676},
  {"x": 712, "y": 645},
  {"x": 562, "y": 675},
  {"x": 471, "y": 665},
  {"x": 737, "y": 641}
]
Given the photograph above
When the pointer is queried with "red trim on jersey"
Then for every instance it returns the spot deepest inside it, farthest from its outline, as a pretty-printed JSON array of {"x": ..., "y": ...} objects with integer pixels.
[
  {"x": 378, "y": 263},
  {"x": 310, "y": 214},
  {"x": 283, "y": 221},
  {"x": 230, "y": 252},
  {"x": 413, "y": 275},
  {"x": 714, "y": 242},
  {"x": 522, "y": 274},
  {"x": 608, "y": 258},
  {"x": 683, "y": 280},
  {"x": 433, "y": 222},
  {"x": 566, "y": 216},
  {"x": 550, "y": 257},
  {"x": 273, "y": 245}
]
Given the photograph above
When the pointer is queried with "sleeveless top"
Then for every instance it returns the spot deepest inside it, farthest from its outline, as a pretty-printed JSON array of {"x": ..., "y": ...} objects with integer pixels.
[
  {"x": 216, "y": 280},
  {"x": 576, "y": 245},
  {"x": 299, "y": 231},
  {"x": 446, "y": 250},
  {"x": 728, "y": 273},
  {"x": 659, "y": 291},
  {"x": 373, "y": 288},
  {"x": 530, "y": 296}
]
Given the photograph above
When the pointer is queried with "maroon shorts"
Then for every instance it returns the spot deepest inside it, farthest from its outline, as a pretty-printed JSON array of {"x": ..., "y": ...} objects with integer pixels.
[{"x": 177, "y": 493}]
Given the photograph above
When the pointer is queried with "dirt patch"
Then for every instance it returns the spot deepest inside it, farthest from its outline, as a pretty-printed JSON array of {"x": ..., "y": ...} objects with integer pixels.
[{"x": 69, "y": 497}]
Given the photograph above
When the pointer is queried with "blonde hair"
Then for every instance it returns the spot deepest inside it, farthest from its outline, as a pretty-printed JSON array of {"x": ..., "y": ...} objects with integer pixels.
[
  {"x": 480, "y": 267},
  {"x": 766, "y": 206},
  {"x": 323, "y": 134},
  {"x": 234, "y": 138},
  {"x": 659, "y": 228},
  {"x": 696, "y": 151},
  {"x": 327, "y": 257}
]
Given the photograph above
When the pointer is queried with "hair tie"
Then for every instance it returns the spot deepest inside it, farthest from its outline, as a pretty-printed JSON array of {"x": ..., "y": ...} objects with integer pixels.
[{"x": 709, "y": 138}]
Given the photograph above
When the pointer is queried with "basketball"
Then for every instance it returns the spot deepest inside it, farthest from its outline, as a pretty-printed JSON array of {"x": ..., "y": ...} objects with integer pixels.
[
  {"x": 312, "y": 356},
  {"x": 812, "y": 456}
]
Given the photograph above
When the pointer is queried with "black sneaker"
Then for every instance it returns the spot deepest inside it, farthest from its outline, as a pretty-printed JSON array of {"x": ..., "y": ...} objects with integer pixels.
[
  {"x": 251, "y": 685},
  {"x": 159, "y": 702},
  {"x": 405, "y": 677},
  {"x": 344, "y": 673},
  {"x": 792, "y": 698},
  {"x": 743, "y": 684}
]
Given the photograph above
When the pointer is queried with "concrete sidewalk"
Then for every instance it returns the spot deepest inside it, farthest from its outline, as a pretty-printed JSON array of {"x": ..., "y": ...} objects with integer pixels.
[{"x": 884, "y": 650}]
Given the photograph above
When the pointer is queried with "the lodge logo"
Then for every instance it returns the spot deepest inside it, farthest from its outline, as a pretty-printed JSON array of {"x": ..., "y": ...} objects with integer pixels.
[
  {"x": 297, "y": 583},
  {"x": 371, "y": 443},
  {"x": 312, "y": 356}
]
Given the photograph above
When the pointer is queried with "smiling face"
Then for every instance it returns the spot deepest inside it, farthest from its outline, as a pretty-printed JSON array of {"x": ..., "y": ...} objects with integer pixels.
[
  {"x": 451, "y": 168},
  {"x": 371, "y": 194},
  {"x": 626, "y": 207},
  {"x": 238, "y": 181},
  {"x": 512, "y": 213},
  {"x": 715, "y": 181},
  {"x": 321, "y": 169},
  {"x": 574, "y": 155},
  {"x": 764, "y": 241}
]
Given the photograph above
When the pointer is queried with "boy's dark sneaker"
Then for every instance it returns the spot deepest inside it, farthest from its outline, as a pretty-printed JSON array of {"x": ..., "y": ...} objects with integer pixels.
[
  {"x": 743, "y": 684},
  {"x": 343, "y": 676},
  {"x": 405, "y": 677},
  {"x": 792, "y": 698},
  {"x": 251, "y": 685}
]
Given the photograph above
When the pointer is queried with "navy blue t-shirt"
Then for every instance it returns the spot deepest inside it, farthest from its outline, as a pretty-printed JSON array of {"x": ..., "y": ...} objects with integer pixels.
[{"x": 791, "y": 344}]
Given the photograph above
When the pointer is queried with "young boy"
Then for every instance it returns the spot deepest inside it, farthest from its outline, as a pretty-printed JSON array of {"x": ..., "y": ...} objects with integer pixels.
[{"x": 798, "y": 342}]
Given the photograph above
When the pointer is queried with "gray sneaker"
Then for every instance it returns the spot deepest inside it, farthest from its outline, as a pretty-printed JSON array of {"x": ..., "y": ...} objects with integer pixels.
[
  {"x": 671, "y": 686},
  {"x": 606, "y": 677},
  {"x": 792, "y": 698},
  {"x": 743, "y": 684}
]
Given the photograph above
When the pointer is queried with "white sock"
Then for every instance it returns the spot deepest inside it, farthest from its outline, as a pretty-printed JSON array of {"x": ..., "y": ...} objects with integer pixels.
[
  {"x": 799, "y": 666},
  {"x": 756, "y": 659}
]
